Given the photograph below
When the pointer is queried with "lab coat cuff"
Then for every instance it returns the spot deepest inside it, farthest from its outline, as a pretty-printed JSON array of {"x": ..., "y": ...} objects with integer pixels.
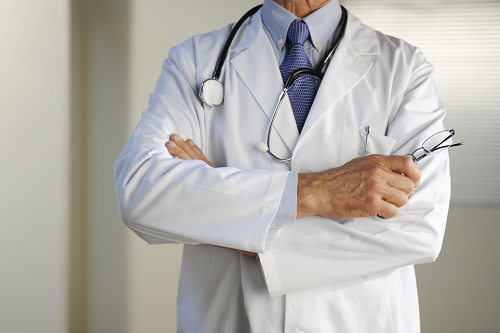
[
  {"x": 287, "y": 211},
  {"x": 265, "y": 223},
  {"x": 270, "y": 274},
  {"x": 272, "y": 235}
]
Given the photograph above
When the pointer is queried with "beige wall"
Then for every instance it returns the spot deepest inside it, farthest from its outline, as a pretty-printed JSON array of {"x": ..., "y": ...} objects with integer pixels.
[
  {"x": 118, "y": 283},
  {"x": 34, "y": 113},
  {"x": 459, "y": 292}
]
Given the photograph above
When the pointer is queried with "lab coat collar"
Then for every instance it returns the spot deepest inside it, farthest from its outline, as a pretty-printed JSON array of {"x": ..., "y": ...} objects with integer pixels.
[
  {"x": 361, "y": 37},
  {"x": 256, "y": 65},
  {"x": 346, "y": 68}
]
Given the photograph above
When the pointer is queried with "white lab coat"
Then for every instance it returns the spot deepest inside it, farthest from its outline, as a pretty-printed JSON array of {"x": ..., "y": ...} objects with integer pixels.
[{"x": 321, "y": 275}]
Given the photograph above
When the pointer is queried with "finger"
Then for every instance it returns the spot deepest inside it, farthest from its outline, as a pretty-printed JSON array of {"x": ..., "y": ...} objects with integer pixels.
[
  {"x": 399, "y": 182},
  {"x": 404, "y": 165},
  {"x": 194, "y": 146},
  {"x": 176, "y": 151},
  {"x": 198, "y": 150},
  {"x": 188, "y": 149},
  {"x": 394, "y": 196},
  {"x": 386, "y": 210}
]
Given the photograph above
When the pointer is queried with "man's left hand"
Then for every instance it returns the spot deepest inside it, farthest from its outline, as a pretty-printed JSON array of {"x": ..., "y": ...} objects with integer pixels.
[{"x": 186, "y": 150}]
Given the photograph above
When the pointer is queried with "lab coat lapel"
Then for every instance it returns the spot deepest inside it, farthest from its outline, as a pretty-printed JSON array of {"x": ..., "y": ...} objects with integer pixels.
[
  {"x": 345, "y": 70},
  {"x": 258, "y": 69}
]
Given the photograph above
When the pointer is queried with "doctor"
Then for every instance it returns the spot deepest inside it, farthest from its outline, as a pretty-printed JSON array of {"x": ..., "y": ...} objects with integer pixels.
[{"x": 337, "y": 233}]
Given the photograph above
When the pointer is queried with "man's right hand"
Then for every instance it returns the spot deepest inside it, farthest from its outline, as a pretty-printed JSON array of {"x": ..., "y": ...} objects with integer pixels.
[{"x": 366, "y": 186}]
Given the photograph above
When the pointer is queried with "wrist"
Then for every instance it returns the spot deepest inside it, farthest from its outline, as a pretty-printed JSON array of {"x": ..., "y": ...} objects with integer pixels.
[{"x": 306, "y": 203}]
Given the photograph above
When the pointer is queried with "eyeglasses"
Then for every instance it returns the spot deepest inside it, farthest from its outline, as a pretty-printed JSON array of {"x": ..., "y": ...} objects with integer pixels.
[{"x": 436, "y": 143}]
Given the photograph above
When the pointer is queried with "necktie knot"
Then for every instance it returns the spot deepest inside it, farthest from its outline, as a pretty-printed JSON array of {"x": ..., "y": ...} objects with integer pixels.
[{"x": 298, "y": 32}]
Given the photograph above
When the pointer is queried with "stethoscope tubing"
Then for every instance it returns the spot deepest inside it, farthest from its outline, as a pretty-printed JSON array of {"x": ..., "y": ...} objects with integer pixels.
[
  {"x": 214, "y": 83},
  {"x": 225, "y": 49},
  {"x": 294, "y": 76},
  {"x": 274, "y": 157}
]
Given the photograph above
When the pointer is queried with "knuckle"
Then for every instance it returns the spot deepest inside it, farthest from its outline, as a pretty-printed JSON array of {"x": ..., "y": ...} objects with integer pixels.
[
  {"x": 374, "y": 187},
  {"x": 371, "y": 171},
  {"x": 408, "y": 162},
  {"x": 375, "y": 172},
  {"x": 372, "y": 202}
]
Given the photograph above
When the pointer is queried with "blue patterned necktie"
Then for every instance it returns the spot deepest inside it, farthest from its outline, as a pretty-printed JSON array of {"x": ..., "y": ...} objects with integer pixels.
[{"x": 303, "y": 91}]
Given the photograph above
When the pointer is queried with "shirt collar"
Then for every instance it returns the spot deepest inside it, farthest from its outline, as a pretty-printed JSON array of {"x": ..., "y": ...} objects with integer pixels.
[{"x": 321, "y": 23}]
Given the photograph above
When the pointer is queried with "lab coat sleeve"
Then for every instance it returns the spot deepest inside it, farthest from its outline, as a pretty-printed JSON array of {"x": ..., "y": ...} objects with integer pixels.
[
  {"x": 166, "y": 200},
  {"x": 287, "y": 211},
  {"x": 320, "y": 252}
]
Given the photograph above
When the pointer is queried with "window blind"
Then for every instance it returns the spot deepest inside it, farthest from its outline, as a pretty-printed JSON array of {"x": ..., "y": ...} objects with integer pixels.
[{"x": 462, "y": 40}]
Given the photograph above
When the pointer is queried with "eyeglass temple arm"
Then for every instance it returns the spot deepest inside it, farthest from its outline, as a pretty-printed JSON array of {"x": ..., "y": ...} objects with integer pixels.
[{"x": 436, "y": 148}]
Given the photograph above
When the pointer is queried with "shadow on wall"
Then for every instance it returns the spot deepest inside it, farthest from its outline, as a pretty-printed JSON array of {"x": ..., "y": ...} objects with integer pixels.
[{"x": 100, "y": 62}]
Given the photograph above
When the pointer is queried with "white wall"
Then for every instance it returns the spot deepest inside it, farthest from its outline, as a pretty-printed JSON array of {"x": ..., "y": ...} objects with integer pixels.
[{"x": 34, "y": 113}]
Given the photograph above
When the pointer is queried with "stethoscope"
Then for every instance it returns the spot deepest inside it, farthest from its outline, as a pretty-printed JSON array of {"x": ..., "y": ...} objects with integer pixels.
[{"x": 212, "y": 91}]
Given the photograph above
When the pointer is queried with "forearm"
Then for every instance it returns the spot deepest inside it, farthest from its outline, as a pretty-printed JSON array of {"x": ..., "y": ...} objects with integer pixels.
[
  {"x": 316, "y": 251},
  {"x": 167, "y": 200},
  {"x": 172, "y": 201}
]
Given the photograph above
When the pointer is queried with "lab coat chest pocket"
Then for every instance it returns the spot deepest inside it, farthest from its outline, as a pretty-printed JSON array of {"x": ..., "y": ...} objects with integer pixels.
[{"x": 354, "y": 144}]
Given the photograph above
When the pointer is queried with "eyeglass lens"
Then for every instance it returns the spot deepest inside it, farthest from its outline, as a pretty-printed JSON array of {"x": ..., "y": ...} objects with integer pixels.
[{"x": 438, "y": 142}]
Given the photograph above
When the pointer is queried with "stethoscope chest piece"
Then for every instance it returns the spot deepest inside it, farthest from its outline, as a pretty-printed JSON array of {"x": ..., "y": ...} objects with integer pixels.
[{"x": 212, "y": 92}]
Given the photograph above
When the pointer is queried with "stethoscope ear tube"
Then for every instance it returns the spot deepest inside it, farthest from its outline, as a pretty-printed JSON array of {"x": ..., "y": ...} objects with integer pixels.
[
  {"x": 343, "y": 24},
  {"x": 225, "y": 49}
]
